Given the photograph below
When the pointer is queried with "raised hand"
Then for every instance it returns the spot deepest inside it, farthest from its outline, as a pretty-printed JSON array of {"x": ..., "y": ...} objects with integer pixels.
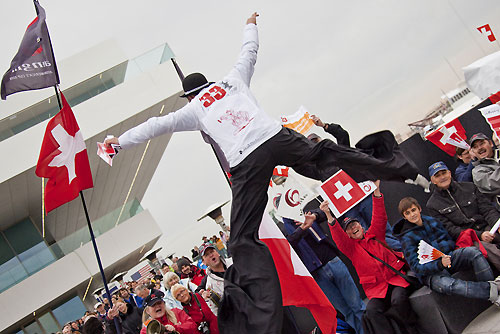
[{"x": 253, "y": 18}]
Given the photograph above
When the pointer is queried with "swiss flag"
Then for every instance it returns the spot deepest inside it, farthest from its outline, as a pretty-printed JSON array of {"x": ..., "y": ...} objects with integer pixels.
[
  {"x": 489, "y": 33},
  {"x": 343, "y": 192},
  {"x": 281, "y": 171},
  {"x": 449, "y": 136},
  {"x": 297, "y": 285},
  {"x": 63, "y": 159}
]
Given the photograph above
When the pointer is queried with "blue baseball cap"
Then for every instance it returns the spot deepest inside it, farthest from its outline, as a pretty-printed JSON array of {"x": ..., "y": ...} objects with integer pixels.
[{"x": 436, "y": 167}]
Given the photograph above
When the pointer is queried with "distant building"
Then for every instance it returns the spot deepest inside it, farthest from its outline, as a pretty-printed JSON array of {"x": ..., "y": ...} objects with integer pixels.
[
  {"x": 453, "y": 104},
  {"x": 46, "y": 263}
]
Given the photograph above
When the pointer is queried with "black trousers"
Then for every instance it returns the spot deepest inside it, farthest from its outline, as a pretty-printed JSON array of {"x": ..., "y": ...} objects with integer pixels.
[
  {"x": 252, "y": 301},
  {"x": 395, "y": 305}
]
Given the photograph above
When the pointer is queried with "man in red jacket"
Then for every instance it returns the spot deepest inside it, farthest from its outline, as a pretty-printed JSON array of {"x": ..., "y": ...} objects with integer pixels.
[
  {"x": 190, "y": 271},
  {"x": 387, "y": 291}
]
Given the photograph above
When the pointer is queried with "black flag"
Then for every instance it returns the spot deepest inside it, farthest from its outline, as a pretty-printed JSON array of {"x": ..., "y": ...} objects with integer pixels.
[{"x": 33, "y": 67}]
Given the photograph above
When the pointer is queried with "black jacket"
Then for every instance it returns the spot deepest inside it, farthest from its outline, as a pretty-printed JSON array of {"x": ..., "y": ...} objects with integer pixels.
[
  {"x": 131, "y": 320},
  {"x": 462, "y": 206}
]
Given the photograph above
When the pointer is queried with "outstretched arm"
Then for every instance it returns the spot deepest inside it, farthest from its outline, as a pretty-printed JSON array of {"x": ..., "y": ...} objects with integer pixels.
[{"x": 244, "y": 67}]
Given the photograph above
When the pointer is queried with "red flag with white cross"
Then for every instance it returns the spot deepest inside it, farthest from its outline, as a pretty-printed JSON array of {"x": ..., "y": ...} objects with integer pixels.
[
  {"x": 486, "y": 29},
  {"x": 449, "y": 136},
  {"x": 343, "y": 192},
  {"x": 298, "y": 287},
  {"x": 63, "y": 159}
]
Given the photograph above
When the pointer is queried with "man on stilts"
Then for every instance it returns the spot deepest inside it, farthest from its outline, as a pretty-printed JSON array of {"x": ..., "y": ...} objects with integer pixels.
[{"x": 254, "y": 143}]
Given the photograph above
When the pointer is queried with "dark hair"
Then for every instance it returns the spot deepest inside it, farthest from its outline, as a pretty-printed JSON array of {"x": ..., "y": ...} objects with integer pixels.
[
  {"x": 407, "y": 203},
  {"x": 93, "y": 326},
  {"x": 460, "y": 150}
]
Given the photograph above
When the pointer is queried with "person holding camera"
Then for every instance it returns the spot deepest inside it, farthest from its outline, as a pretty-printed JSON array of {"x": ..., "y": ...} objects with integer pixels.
[{"x": 197, "y": 308}]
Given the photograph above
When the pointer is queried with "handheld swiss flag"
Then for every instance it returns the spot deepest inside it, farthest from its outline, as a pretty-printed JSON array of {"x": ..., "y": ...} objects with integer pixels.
[
  {"x": 487, "y": 29},
  {"x": 343, "y": 192},
  {"x": 298, "y": 288},
  {"x": 449, "y": 136},
  {"x": 63, "y": 159}
]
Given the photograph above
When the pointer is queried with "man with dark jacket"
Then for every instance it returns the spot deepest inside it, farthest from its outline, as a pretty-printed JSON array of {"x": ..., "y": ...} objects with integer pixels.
[
  {"x": 460, "y": 205},
  {"x": 319, "y": 255}
]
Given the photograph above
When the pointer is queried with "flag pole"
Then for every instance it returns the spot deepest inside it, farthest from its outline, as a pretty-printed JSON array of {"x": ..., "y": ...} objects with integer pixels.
[
  {"x": 92, "y": 237},
  {"x": 181, "y": 77}
]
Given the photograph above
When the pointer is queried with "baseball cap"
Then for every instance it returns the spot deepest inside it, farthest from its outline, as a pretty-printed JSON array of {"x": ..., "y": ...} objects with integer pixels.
[
  {"x": 153, "y": 298},
  {"x": 477, "y": 136},
  {"x": 436, "y": 167},
  {"x": 97, "y": 305},
  {"x": 204, "y": 247},
  {"x": 347, "y": 221}
]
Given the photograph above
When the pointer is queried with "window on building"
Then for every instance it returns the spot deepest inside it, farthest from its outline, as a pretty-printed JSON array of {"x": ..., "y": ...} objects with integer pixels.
[
  {"x": 69, "y": 311},
  {"x": 11, "y": 269},
  {"x": 29, "y": 246},
  {"x": 33, "y": 328},
  {"x": 49, "y": 323}
]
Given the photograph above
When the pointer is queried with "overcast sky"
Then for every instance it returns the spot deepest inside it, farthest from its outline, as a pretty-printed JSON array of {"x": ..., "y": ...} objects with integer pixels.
[{"x": 368, "y": 65}]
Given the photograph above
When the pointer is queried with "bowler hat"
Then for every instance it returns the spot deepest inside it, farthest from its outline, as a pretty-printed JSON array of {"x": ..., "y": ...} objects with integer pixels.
[{"x": 194, "y": 83}]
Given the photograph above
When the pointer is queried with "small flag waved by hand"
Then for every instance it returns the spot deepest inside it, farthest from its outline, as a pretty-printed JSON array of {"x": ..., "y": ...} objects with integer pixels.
[
  {"x": 427, "y": 253},
  {"x": 107, "y": 154}
]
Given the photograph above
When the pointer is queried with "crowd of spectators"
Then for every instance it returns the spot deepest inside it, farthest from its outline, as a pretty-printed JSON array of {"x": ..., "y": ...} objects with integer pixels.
[{"x": 185, "y": 296}]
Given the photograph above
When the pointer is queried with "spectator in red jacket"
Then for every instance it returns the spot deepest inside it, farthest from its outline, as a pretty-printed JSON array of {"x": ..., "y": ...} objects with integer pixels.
[
  {"x": 196, "y": 307},
  {"x": 174, "y": 320},
  {"x": 388, "y": 292},
  {"x": 190, "y": 271}
]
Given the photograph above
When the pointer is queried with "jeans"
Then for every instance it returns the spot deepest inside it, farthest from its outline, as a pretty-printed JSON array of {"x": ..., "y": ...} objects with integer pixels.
[
  {"x": 464, "y": 259},
  {"x": 337, "y": 284},
  {"x": 363, "y": 211}
]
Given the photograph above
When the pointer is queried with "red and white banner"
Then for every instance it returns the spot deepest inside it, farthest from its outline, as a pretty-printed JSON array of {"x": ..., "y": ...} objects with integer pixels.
[
  {"x": 63, "y": 159},
  {"x": 293, "y": 196},
  {"x": 487, "y": 30},
  {"x": 343, "y": 192},
  {"x": 298, "y": 288},
  {"x": 492, "y": 115},
  {"x": 449, "y": 136},
  {"x": 300, "y": 121}
]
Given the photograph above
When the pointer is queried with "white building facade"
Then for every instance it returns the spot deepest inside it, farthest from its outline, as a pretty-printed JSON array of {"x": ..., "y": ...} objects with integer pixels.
[{"x": 48, "y": 261}]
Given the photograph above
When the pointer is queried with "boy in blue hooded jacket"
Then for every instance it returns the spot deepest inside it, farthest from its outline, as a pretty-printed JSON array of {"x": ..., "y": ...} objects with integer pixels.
[{"x": 437, "y": 274}]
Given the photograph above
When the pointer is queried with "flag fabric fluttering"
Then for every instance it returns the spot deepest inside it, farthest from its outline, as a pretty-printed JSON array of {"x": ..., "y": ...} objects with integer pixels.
[
  {"x": 292, "y": 274},
  {"x": 300, "y": 121},
  {"x": 34, "y": 66},
  {"x": 63, "y": 159},
  {"x": 142, "y": 274},
  {"x": 492, "y": 115},
  {"x": 449, "y": 136},
  {"x": 343, "y": 192},
  {"x": 489, "y": 33}
]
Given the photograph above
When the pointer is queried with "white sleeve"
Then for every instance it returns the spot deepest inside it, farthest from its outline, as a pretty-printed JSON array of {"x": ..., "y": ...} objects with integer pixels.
[
  {"x": 244, "y": 67},
  {"x": 184, "y": 119}
]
